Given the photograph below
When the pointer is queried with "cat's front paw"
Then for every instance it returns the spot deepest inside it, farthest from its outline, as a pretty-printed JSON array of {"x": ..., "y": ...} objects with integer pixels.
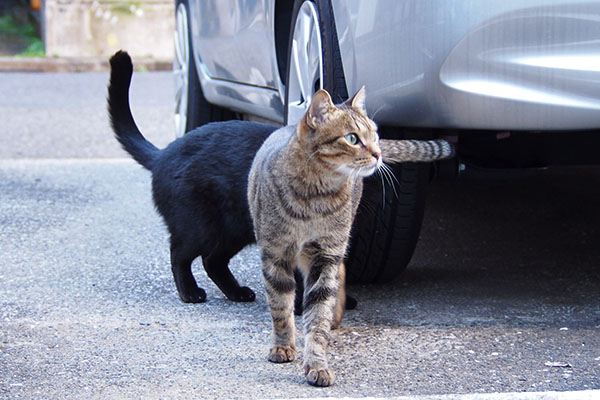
[
  {"x": 319, "y": 376},
  {"x": 282, "y": 354},
  {"x": 242, "y": 294},
  {"x": 197, "y": 295}
]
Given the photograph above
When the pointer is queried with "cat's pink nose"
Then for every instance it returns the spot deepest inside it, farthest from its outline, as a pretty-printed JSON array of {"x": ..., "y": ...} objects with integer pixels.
[{"x": 376, "y": 154}]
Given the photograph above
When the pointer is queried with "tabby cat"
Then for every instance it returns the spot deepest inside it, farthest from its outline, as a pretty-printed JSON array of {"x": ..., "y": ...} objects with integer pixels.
[{"x": 303, "y": 191}]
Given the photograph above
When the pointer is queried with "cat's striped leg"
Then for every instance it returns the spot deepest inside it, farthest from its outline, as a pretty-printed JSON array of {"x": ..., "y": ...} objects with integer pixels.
[
  {"x": 321, "y": 268},
  {"x": 281, "y": 287}
]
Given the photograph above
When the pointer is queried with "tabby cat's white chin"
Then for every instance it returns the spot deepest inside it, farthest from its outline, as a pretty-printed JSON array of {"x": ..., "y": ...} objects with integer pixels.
[
  {"x": 361, "y": 171},
  {"x": 364, "y": 172}
]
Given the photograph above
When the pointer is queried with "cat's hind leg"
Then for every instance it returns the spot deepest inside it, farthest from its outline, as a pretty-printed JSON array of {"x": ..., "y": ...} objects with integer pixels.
[
  {"x": 181, "y": 266},
  {"x": 350, "y": 301},
  {"x": 340, "y": 304},
  {"x": 217, "y": 268}
]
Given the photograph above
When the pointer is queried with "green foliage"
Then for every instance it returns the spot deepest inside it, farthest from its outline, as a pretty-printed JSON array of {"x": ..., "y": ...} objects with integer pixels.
[
  {"x": 35, "y": 49},
  {"x": 10, "y": 26},
  {"x": 23, "y": 32}
]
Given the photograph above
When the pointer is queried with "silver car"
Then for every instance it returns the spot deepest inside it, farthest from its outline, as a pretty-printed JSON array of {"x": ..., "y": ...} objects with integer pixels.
[{"x": 505, "y": 79}]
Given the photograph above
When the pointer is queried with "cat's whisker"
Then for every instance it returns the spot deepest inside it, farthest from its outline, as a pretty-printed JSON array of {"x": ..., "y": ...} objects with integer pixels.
[
  {"x": 314, "y": 153},
  {"x": 358, "y": 173},
  {"x": 390, "y": 177},
  {"x": 380, "y": 173},
  {"x": 385, "y": 174},
  {"x": 376, "y": 111},
  {"x": 391, "y": 172},
  {"x": 381, "y": 170},
  {"x": 368, "y": 207}
]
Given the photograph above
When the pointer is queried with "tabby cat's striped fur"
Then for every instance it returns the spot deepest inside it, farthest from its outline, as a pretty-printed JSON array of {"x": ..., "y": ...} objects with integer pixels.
[
  {"x": 397, "y": 151},
  {"x": 304, "y": 188}
]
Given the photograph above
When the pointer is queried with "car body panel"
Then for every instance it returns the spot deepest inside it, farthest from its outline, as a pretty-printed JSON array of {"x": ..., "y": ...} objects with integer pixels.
[
  {"x": 526, "y": 65},
  {"x": 234, "y": 52},
  {"x": 497, "y": 65}
]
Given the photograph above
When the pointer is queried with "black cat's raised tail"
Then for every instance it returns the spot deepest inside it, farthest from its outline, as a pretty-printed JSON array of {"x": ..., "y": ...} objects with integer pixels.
[{"x": 126, "y": 131}]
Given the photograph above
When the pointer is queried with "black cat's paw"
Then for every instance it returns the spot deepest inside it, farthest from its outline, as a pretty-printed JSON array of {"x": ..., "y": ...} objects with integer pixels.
[
  {"x": 197, "y": 295},
  {"x": 351, "y": 303},
  {"x": 242, "y": 294}
]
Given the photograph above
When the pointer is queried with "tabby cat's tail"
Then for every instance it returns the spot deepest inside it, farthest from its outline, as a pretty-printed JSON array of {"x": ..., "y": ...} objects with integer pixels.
[
  {"x": 397, "y": 151},
  {"x": 126, "y": 131}
]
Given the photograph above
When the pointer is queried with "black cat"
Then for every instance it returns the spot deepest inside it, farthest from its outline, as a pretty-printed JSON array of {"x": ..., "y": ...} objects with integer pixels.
[{"x": 199, "y": 185}]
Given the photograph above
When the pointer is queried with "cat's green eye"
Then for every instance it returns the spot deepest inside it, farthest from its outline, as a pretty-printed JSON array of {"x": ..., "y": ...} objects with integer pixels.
[{"x": 351, "y": 138}]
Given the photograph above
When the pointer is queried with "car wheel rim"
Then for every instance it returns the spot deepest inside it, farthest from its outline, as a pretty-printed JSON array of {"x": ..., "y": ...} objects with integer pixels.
[
  {"x": 181, "y": 66},
  {"x": 306, "y": 62}
]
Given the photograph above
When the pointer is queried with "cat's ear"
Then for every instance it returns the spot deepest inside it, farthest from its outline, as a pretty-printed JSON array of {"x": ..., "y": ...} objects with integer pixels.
[
  {"x": 358, "y": 101},
  {"x": 320, "y": 106}
]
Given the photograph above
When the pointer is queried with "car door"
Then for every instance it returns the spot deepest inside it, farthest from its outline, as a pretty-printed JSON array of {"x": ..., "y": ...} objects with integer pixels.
[{"x": 234, "y": 40}]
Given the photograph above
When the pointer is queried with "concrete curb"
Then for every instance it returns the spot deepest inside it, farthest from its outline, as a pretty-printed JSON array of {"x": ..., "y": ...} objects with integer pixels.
[{"x": 34, "y": 64}]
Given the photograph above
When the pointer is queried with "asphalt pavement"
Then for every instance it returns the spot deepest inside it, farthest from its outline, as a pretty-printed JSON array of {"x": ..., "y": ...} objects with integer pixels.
[{"x": 501, "y": 299}]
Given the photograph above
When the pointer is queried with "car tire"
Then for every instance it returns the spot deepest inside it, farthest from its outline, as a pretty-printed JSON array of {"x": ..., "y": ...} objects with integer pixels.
[
  {"x": 332, "y": 78},
  {"x": 386, "y": 228},
  {"x": 387, "y": 224},
  {"x": 191, "y": 107}
]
